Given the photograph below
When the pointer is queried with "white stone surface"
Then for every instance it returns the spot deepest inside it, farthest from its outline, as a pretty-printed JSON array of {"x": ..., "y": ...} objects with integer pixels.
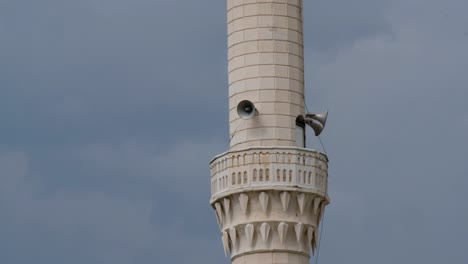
[
  {"x": 265, "y": 167},
  {"x": 266, "y": 66},
  {"x": 264, "y": 196},
  {"x": 268, "y": 194}
]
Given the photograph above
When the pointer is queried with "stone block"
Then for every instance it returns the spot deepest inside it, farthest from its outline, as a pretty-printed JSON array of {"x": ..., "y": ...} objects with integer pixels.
[
  {"x": 280, "y": 258},
  {"x": 266, "y": 83},
  {"x": 280, "y": 34},
  {"x": 235, "y": 13},
  {"x": 252, "y": 59},
  {"x": 295, "y": 85},
  {"x": 293, "y": 36},
  {"x": 283, "y": 133},
  {"x": 283, "y": 108},
  {"x": 267, "y": 108},
  {"x": 265, "y": 33},
  {"x": 284, "y": 121},
  {"x": 265, "y": 8},
  {"x": 295, "y": 61},
  {"x": 281, "y": 71},
  {"x": 295, "y": 73},
  {"x": 268, "y": 96},
  {"x": 282, "y": 83},
  {"x": 249, "y": 22},
  {"x": 251, "y": 10},
  {"x": 251, "y": 34},
  {"x": 236, "y": 63},
  {"x": 235, "y": 38},
  {"x": 294, "y": 24},
  {"x": 283, "y": 96},
  {"x": 265, "y": 258},
  {"x": 294, "y": 2},
  {"x": 266, "y": 58},
  {"x": 236, "y": 2},
  {"x": 294, "y": 48},
  {"x": 266, "y": 46},
  {"x": 265, "y": 21},
  {"x": 281, "y": 46},
  {"x": 267, "y": 70},
  {"x": 280, "y": 22},
  {"x": 296, "y": 98},
  {"x": 279, "y": 9},
  {"x": 293, "y": 11},
  {"x": 281, "y": 58},
  {"x": 252, "y": 83},
  {"x": 266, "y": 121}
]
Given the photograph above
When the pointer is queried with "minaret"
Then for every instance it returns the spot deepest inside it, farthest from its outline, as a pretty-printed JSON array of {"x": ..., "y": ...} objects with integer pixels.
[{"x": 268, "y": 190}]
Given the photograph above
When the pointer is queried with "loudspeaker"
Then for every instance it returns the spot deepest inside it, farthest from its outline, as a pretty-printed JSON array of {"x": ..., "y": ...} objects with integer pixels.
[
  {"x": 246, "y": 109},
  {"x": 316, "y": 121}
]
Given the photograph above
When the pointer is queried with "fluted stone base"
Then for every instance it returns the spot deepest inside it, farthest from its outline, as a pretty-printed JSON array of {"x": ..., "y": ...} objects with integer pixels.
[{"x": 271, "y": 258}]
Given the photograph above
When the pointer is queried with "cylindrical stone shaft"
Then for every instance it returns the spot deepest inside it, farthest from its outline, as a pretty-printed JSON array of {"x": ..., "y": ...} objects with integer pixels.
[
  {"x": 268, "y": 191},
  {"x": 266, "y": 67},
  {"x": 272, "y": 258}
]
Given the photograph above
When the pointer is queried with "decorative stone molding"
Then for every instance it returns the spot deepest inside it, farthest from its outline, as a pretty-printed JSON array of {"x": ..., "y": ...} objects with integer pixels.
[
  {"x": 265, "y": 231},
  {"x": 249, "y": 232},
  {"x": 243, "y": 202},
  {"x": 275, "y": 167},
  {"x": 261, "y": 211},
  {"x": 251, "y": 224},
  {"x": 282, "y": 232},
  {"x": 263, "y": 198}
]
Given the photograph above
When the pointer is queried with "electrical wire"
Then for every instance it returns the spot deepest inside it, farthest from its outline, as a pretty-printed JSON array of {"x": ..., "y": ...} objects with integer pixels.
[
  {"x": 323, "y": 217},
  {"x": 323, "y": 146},
  {"x": 320, "y": 237},
  {"x": 235, "y": 130},
  {"x": 307, "y": 108}
]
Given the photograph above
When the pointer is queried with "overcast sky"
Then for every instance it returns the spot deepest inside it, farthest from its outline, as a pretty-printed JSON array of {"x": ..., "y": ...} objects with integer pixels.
[{"x": 111, "y": 110}]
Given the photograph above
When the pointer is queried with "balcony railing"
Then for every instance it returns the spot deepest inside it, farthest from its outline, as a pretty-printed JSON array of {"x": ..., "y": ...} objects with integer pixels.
[{"x": 269, "y": 166}]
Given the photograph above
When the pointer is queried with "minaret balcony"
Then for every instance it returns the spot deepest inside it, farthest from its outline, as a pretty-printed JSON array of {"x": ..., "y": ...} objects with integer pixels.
[{"x": 269, "y": 168}]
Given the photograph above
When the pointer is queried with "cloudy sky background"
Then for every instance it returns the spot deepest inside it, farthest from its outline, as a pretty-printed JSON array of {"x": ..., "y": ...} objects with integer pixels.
[{"x": 110, "y": 111}]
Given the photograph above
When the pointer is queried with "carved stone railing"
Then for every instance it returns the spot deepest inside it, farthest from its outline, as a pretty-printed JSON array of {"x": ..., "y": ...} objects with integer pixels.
[
  {"x": 267, "y": 167},
  {"x": 269, "y": 199}
]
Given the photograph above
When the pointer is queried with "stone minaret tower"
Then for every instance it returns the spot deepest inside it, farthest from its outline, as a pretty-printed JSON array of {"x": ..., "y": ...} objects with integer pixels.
[{"x": 268, "y": 190}]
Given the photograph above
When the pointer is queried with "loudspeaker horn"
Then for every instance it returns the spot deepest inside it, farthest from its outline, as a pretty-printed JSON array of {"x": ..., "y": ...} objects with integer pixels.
[
  {"x": 246, "y": 109},
  {"x": 316, "y": 121}
]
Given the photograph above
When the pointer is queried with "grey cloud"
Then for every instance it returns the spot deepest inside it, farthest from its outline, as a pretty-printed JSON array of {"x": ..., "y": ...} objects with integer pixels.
[
  {"x": 397, "y": 142},
  {"x": 109, "y": 66},
  {"x": 88, "y": 174},
  {"x": 334, "y": 25},
  {"x": 101, "y": 225}
]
